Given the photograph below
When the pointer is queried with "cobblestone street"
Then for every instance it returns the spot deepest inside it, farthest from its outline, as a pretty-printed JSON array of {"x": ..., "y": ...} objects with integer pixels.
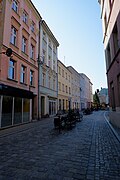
[{"x": 37, "y": 151}]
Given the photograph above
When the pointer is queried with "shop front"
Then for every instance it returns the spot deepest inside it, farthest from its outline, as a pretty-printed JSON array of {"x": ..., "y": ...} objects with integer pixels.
[{"x": 15, "y": 106}]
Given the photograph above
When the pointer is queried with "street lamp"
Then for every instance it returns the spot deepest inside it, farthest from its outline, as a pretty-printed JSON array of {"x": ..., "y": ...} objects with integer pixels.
[
  {"x": 8, "y": 52},
  {"x": 40, "y": 62}
]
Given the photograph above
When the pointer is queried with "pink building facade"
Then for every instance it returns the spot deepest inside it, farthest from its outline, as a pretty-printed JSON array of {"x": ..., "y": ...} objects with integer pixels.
[
  {"x": 19, "y": 30},
  {"x": 110, "y": 15}
]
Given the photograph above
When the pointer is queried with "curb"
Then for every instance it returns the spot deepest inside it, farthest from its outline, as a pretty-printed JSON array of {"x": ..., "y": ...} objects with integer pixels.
[{"x": 112, "y": 129}]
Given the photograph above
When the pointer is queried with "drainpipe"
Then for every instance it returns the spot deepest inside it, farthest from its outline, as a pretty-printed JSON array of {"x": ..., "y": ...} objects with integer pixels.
[{"x": 39, "y": 65}]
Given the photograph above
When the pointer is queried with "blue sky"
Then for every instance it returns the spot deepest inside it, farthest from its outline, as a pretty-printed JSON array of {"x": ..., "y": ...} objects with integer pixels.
[{"x": 77, "y": 26}]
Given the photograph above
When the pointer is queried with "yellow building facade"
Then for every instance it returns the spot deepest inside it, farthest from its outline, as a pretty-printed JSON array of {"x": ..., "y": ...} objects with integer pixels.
[{"x": 64, "y": 87}]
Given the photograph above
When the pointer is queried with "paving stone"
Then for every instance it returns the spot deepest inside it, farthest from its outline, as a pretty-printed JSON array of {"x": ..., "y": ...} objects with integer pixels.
[{"x": 38, "y": 151}]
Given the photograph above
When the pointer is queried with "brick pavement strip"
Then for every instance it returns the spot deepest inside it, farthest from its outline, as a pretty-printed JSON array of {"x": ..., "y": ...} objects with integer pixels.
[{"x": 88, "y": 151}]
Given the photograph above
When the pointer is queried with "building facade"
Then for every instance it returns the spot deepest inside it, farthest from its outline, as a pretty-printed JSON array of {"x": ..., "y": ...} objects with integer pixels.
[
  {"x": 64, "y": 87},
  {"x": 48, "y": 76},
  {"x": 103, "y": 96},
  {"x": 110, "y": 15},
  {"x": 19, "y": 27},
  {"x": 75, "y": 88},
  {"x": 86, "y": 94}
]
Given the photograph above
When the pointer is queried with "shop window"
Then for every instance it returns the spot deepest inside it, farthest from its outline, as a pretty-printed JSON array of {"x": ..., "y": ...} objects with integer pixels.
[
  {"x": 26, "y": 110},
  {"x": 6, "y": 119},
  {"x": 17, "y": 110}
]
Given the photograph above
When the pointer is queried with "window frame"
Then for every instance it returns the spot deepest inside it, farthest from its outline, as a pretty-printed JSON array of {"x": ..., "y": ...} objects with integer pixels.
[
  {"x": 31, "y": 77},
  {"x": 32, "y": 51},
  {"x": 13, "y": 38},
  {"x": 22, "y": 74},
  {"x": 11, "y": 70},
  {"x": 15, "y": 6},
  {"x": 24, "y": 44}
]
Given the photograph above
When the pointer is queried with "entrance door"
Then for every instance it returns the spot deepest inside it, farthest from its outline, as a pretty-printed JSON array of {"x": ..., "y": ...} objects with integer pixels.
[{"x": 42, "y": 105}]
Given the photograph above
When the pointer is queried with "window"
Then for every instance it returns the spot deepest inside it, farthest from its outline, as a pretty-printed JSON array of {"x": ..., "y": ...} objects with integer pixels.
[
  {"x": 59, "y": 86},
  {"x": 108, "y": 56},
  {"x": 112, "y": 97},
  {"x": 53, "y": 64},
  {"x": 63, "y": 87},
  {"x": 54, "y": 49},
  {"x": 15, "y": 6},
  {"x": 50, "y": 43},
  {"x": 11, "y": 74},
  {"x": 31, "y": 77},
  {"x": 44, "y": 56},
  {"x": 25, "y": 17},
  {"x": 66, "y": 75},
  {"x": 22, "y": 77},
  {"x": 43, "y": 79},
  {"x": 32, "y": 51},
  {"x": 44, "y": 36},
  {"x": 105, "y": 22},
  {"x": 66, "y": 89},
  {"x": 69, "y": 91},
  {"x": 49, "y": 59},
  {"x": 115, "y": 39},
  {"x": 54, "y": 84},
  {"x": 24, "y": 40},
  {"x": 32, "y": 26},
  {"x": 13, "y": 38},
  {"x": 118, "y": 85},
  {"x": 49, "y": 82},
  {"x": 60, "y": 104},
  {"x": 62, "y": 73},
  {"x": 59, "y": 70},
  {"x": 69, "y": 78}
]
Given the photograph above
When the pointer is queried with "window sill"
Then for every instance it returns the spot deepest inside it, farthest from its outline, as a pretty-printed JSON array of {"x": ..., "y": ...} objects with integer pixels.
[
  {"x": 12, "y": 80},
  {"x": 24, "y": 84},
  {"x": 31, "y": 86}
]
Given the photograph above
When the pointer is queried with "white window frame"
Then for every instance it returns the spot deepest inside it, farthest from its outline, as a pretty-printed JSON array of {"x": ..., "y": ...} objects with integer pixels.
[
  {"x": 25, "y": 17},
  {"x": 13, "y": 38},
  {"x": 24, "y": 40},
  {"x": 22, "y": 76},
  {"x": 33, "y": 26},
  {"x": 31, "y": 77},
  {"x": 11, "y": 71},
  {"x": 15, "y": 6},
  {"x": 32, "y": 51}
]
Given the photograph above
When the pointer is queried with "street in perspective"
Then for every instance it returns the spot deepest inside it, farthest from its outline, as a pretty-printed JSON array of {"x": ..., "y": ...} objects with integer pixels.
[
  {"x": 59, "y": 93},
  {"x": 37, "y": 150}
]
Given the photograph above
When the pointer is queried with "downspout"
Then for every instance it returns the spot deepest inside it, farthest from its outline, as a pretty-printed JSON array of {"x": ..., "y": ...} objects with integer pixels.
[{"x": 39, "y": 55}]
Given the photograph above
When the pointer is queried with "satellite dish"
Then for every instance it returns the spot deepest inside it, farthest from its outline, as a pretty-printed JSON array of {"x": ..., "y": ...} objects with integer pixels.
[{"x": 9, "y": 52}]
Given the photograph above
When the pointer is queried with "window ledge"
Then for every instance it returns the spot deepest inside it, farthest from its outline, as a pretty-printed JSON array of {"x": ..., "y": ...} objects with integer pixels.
[{"x": 12, "y": 80}]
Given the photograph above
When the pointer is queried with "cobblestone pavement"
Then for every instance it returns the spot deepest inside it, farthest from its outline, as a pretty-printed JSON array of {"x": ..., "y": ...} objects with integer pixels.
[{"x": 38, "y": 152}]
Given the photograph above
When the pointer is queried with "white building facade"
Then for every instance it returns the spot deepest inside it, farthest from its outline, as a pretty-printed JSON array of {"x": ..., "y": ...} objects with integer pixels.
[
  {"x": 86, "y": 95},
  {"x": 48, "y": 76},
  {"x": 75, "y": 88}
]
